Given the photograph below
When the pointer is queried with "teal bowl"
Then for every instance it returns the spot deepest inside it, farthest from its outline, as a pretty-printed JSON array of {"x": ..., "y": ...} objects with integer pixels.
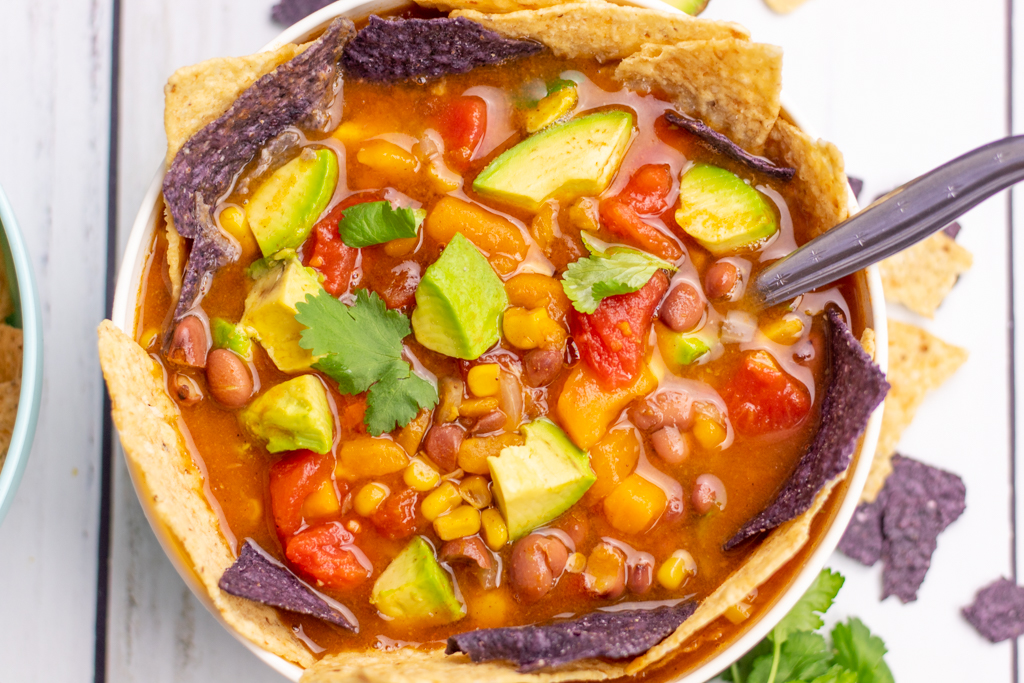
[{"x": 28, "y": 316}]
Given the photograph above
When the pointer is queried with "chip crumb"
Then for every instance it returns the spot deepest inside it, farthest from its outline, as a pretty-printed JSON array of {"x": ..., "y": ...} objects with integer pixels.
[
  {"x": 921, "y": 276},
  {"x": 998, "y": 611}
]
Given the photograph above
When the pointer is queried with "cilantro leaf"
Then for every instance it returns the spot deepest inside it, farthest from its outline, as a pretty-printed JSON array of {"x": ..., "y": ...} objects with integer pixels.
[
  {"x": 371, "y": 223},
  {"x": 861, "y": 652},
  {"x": 360, "y": 348},
  {"x": 740, "y": 670},
  {"x": 619, "y": 270},
  {"x": 818, "y": 598},
  {"x": 804, "y": 656},
  {"x": 836, "y": 674}
]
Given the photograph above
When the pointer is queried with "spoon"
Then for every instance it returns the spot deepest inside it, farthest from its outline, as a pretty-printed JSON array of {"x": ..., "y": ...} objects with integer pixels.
[{"x": 894, "y": 222}]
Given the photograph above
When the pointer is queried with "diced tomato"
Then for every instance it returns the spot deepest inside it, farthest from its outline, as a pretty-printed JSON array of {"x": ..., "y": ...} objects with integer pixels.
[
  {"x": 292, "y": 479},
  {"x": 327, "y": 552},
  {"x": 325, "y": 250},
  {"x": 462, "y": 123},
  {"x": 397, "y": 516},
  {"x": 648, "y": 189},
  {"x": 612, "y": 339},
  {"x": 400, "y": 288},
  {"x": 620, "y": 218},
  {"x": 762, "y": 398}
]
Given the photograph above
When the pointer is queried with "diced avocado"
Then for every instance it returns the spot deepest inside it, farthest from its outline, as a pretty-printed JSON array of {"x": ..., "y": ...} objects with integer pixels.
[
  {"x": 230, "y": 336},
  {"x": 685, "y": 348},
  {"x": 285, "y": 207},
  {"x": 722, "y": 212},
  {"x": 270, "y": 312},
  {"x": 415, "y": 587},
  {"x": 292, "y": 415},
  {"x": 691, "y": 7},
  {"x": 573, "y": 159},
  {"x": 551, "y": 108},
  {"x": 536, "y": 482},
  {"x": 459, "y": 303}
]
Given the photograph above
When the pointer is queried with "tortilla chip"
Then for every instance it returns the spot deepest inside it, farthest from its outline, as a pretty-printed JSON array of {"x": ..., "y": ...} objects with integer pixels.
[
  {"x": 783, "y": 6},
  {"x": 867, "y": 342},
  {"x": 918, "y": 363},
  {"x": 9, "y": 395},
  {"x": 151, "y": 431},
  {"x": 495, "y": 6},
  {"x": 732, "y": 85},
  {"x": 175, "y": 255},
  {"x": 820, "y": 189},
  {"x": 10, "y": 353},
  {"x": 602, "y": 30},
  {"x": 6, "y": 302},
  {"x": 920, "y": 277}
]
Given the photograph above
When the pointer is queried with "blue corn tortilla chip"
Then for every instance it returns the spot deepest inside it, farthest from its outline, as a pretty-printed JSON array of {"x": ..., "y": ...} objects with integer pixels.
[
  {"x": 287, "y": 12},
  {"x": 612, "y": 635},
  {"x": 856, "y": 387},
  {"x": 856, "y": 184},
  {"x": 952, "y": 230},
  {"x": 920, "y": 502},
  {"x": 297, "y": 93},
  {"x": 257, "y": 576},
  {"x": 998, "y": 611},
  {"x": 863, "y": 539},
  {"x": 727, "y": 147},
  {"x": 399, "y": 49}
]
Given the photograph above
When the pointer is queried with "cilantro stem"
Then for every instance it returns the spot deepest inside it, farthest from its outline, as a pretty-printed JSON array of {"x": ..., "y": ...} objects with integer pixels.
[
  {"x": 776, "y": 655},
  {"x": 736, "y": 676}
]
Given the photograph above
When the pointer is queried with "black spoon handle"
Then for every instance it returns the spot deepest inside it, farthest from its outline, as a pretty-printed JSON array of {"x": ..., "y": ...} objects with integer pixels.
[{"x": 894, "y": 222}]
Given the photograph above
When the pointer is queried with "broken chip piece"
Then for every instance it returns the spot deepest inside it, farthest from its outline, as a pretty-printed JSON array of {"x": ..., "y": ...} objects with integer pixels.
[
  {"x": 399, "y": 49},
  {"x": 998, "y": 611},
  {"x": 921, "y": 276},
  {"x": 615, "y": 635},
  {"x": 862, "y": 540},
  {"x": 255, "y": 575},
  {"x": 727, "y": 147},
  {"x": 287, "y": 12},
  {"x": 855, "y": 389},
  {"x": 857, "y": 185}
]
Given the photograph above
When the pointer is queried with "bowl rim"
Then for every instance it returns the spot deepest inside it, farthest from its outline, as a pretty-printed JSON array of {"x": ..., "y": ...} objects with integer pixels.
[
  {"x": 30, "y": 397},
  {"x": 123, "y": 316}
]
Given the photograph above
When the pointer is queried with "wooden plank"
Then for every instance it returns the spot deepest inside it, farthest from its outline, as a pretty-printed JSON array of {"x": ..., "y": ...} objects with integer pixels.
[{"x": 53, "y": 166}]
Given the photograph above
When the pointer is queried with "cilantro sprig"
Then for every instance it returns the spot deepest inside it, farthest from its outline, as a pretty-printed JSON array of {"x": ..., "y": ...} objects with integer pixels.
[
  {"x": 371, "y": 223},
  {"x": 360, "y": 348},
  {"x": 618, "y": 270},
  {"x": 794, "y": 653}
]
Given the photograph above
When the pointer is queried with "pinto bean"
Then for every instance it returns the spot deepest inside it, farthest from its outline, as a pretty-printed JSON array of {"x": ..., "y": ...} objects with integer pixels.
[
  {"x": 683, "y": 308},
  {"x": 708, "y": 492},
  {"x": 491, "y": 422},
  {"x": 228, "y": 378},
  {"x": 472, "y": 552},
  {"x": 666, "y": 409},
  {"x": 442, "y": 445},
  {"x": 640, "y": 574},
  {"x": 189, "y": 343},
  {"x": 720, "y": 280},
  {"x": 537, "y": 562},
  {"x": 672, "y": 446},
  {"x": 574, "y": 523},
  {"x": 542, "y": 366},
  {"x": 605, "y": 575},
  {"x": 186, "y": 389}
]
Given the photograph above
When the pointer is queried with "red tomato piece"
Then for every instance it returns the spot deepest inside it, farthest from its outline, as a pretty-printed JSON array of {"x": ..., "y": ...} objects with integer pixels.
[
  {"x": 400, "y": 288},
  {"x": 648, "y": 189},
  {"x": 612, "y": 339},
  {"x": 327, "y": 552},
  {"x": 292, "y": 479},
  {"x": 762, "y": 398},
  {"x": 397, "y": 516},
  {"x": 462, "y": 123},
  {"x": 325, "y": 250},
  {"x": 620, "y": 218}
]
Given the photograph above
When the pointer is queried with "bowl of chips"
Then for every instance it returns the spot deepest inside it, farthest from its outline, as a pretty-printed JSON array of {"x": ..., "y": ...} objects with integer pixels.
[{"x": 21, "y": 355}]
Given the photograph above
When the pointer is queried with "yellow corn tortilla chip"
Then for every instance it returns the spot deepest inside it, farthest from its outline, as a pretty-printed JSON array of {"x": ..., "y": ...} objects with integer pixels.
[
  {"x": 783, "y": 6},
  {"x": 10, "y": 353},
  {"x": 602, "y": 30},
  {"x": 493, "y": 6},
  {"x": 819, "y": 189},
  {"x": 732, "y": 85},
  {"x": 920, "y": 277},
  {"x": 9, "y": 394},
  {"x": 867, "y": 342},
  {"x": 6, "y": 302},
  {"x": 151, "y": 431},
  {"x": 918, "y": 362}
]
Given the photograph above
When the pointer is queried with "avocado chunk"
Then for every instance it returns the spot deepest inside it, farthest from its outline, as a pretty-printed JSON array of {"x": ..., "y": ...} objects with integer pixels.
[
  {"x": 685, "y": 348},
  {"x": 227, "y": 335},
  {"x": 459, "y": 303},
  {"x": 270, "y": 312},
  {"x": 415, "y": 588},
  {"x": 285, "y": 207},
  {"x": 536, "y": 482},
  {"x": 573, "y": 159},
  {"x": 722, "y": 212},
  {"x": 292, "y": 415}
]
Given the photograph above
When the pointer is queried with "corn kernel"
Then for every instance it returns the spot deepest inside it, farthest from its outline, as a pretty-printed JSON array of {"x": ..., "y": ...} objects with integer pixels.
[
  {"x": 387, "y": 158},
  {"x": 475, "y": 491},
  {"x": 495, "y": 529},
  {"x": 444, "y": 498},
  {"x": 483, "y": 379},
  {"x": 708, "y": 431},
  {"x": 786, "y": 330},
  {"x": 420, "y": 476},
  {"x": 635, "y": 505},
  {"x": 576, "y": 563},
  {"x": 461, "y": 522},
  {"x": 477, "y": 407},
  {"x": 739, "y": 612},
  {"x": 676, "y": 569},
  {"x": 232, "y": 219},
  {"x": 148, "y": 337},
  {"x": 322, "y": 502},
  {"x": 530, "y": 329},
  {"x": 370, "y": 498}
]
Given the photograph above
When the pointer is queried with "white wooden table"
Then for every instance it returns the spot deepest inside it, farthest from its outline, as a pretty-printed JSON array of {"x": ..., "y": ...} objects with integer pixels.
[{"x": 86, "y": 594}]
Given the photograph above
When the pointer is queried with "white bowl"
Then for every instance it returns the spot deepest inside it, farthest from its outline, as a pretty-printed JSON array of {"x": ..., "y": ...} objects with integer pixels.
[{"x": 126, "y": 301}]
